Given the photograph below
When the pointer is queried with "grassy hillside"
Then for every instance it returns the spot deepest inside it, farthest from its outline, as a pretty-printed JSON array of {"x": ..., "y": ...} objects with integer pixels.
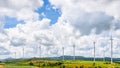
[{"x": 50, "y": 63}]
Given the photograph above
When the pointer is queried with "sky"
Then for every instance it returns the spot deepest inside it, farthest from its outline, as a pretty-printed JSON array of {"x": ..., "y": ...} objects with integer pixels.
[{"x": 53, "y": 24}]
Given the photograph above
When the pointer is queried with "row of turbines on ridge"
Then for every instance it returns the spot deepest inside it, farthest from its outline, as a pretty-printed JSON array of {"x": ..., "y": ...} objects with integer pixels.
[{"x": 94, "y": 43}]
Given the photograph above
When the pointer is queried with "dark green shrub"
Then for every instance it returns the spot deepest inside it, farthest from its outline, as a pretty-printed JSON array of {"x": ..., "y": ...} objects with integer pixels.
[
  {"x": 107, "y": 63},
  {"x": 63, "y": 66},
  {"x": 99, "y": 67},
  {"x": 59, "y": 63},
  {"x": 43, "y": 64},
  {"x": 31, "y": 64},
  {"x": 51, "y": 64},
  {"x": 60, "y": 66},
  {"x": 93, "y": 64}
]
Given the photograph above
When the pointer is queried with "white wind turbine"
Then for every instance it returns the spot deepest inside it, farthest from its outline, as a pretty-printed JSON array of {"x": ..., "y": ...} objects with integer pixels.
[
  {"x": 94, "y": 51},
  {"x": 111, "y": 39},
  {"x": 39, "y": 54},
  {"x": 39, "y": 51},
  {"x": 15, "y": 54},
  {"x": 104, "y": 54},
  {"x": 63, "y": 53},
  {"x": 23, "y": 52},
  {"x": 73, "y": 52}
]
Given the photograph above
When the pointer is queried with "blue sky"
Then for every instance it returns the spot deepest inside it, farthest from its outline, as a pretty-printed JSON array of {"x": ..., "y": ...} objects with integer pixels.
[
  {"x": 47, "y": 9},
  {"x": 49, "y": 12},
  {"x": 11, "y": 22}
]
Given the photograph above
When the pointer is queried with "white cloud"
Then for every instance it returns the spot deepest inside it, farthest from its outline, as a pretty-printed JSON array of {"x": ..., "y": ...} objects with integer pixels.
[
  {"x": 52, "y": 39},
  {"x": 110, "y": 7},
  {"x": 73, "y": 13},
  {"x": 26, "y": 14},
  {"x": 78, "y": 25},
  {"x": 22, "y": 10},
  {"x": 91, "y": 18}
]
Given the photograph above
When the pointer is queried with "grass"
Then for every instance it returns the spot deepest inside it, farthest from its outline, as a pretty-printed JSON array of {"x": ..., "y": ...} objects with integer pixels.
[
  {"x": 15, "y": 66},
  {"x": 66, "y": 63},
  {"x": 85, "y": 64}
]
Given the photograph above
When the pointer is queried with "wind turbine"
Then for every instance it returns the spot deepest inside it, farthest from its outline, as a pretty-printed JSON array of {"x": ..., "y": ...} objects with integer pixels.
[
  {"x": 40, "y": 51},
  {"x": 39, "y": 54},
  {"x": 15, "y": 55},
  {"x": 103, "y": 55},
  {"x": 73, "y": 52},
  {"x": 63, "y": 53},
  {"x": 94, "y": 51},
  {"x": 111, "y": 39},
  {"x": 23, "y": 52}
]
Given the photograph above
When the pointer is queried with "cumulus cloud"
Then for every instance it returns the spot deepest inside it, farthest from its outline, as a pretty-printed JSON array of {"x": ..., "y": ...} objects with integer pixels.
[
  {"x": 4, "y": 51},
  {"x": 90, "y": 17},
  {"x": 110, "y": 7},
  {"x": 74, "y": 13},
  {"x": 80, "y": 23},
  {"x": 22, "y": 10}
]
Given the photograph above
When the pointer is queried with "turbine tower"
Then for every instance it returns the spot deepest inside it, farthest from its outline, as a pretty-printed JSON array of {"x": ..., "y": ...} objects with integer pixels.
[
  {"x": 15, "y": 55},
  {"x": 63, "y": 53},
  {"x": 94, "y": 51},
  {"x": 111, "y": 49},
  {"x": 73, "y": 52},
  {"x": 23, "y": 52},
  {"x": 103, "y": 55},
  {"x": 40, "y": 51}
]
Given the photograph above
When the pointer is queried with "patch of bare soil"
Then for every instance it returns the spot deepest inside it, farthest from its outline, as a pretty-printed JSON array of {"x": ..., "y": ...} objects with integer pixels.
[{"x": 1, "y": 66}]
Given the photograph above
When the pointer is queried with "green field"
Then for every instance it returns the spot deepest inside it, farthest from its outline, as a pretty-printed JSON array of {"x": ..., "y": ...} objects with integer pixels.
[{"x": 57, "y": 64}]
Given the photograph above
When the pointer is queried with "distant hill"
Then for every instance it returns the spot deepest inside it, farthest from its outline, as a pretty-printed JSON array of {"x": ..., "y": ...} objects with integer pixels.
[
  {"x": 65, "y": 58},
  {"x": 10, "y": 58},
  {"x": 84, "y": 58}
]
